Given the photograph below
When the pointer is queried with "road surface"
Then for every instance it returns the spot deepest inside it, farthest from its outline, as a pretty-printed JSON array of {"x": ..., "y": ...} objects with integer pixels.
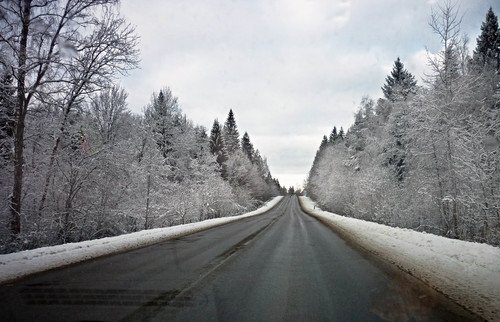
[{"x": 279, "y": 266}]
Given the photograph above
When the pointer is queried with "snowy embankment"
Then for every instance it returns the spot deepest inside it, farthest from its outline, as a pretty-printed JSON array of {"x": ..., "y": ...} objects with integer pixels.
[
  {"x": 468, "y": 273},
  {"x": 17, "y": 265}
]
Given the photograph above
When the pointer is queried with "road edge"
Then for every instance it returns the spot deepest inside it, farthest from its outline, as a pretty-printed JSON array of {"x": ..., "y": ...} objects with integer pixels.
[
  {"x": 16, "y": 266},
  {"x": 467, "y": 300}
]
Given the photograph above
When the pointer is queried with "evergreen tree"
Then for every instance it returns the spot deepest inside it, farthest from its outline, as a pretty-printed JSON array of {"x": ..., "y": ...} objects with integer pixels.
[
  {"x": 230, "y": 134},
  {"x": 488, "y": 43},
  {"x": 341, "y": 133},
  {"x": 333, "y": 135},
  {"x": 163, "y": 116},
  {"x": 399, "y": 84},
  {"x": 324, "y": 143},
  {"x": 217, "y": 145},
  {"x": 247, "y": 147},
  {"x": 215, "y": 138}
]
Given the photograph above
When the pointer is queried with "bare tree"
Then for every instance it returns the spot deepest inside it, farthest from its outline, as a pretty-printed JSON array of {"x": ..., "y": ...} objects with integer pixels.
[
  {"x": 445, "y": 21},
  {"x": 108, "y": 110},
  {"x": 62, "y": 52}
]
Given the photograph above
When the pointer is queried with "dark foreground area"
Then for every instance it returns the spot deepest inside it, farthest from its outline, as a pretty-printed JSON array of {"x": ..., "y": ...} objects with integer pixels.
[{"x": 279, "y": 266}]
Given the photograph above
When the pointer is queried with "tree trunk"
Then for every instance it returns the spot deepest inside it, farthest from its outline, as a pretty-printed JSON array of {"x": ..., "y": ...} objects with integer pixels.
[
  {"x": 453, "y": 178},
  {"x": 146, "y": 223},
  {"x": 53, "y": 154},
  {"x": 22, "y": 107},
  {"x": 441, "y": 188},
  {"x": 48, "y": 176}
]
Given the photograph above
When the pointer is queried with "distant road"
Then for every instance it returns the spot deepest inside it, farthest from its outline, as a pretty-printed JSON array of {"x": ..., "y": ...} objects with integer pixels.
[{"x": 279, "y": 266}]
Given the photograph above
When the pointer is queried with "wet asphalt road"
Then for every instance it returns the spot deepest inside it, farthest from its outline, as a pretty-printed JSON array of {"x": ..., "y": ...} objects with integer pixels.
[{"x": 279, "y": 266}]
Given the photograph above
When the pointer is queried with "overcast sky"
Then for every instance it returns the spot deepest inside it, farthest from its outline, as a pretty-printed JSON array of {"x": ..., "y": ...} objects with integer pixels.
[{"x": 289, "y": 69}]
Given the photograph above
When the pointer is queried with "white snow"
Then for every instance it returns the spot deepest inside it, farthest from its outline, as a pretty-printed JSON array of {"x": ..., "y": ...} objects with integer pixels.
[
  {"x": 17, "y": 265},
  {"x": 467, "y": 272}
]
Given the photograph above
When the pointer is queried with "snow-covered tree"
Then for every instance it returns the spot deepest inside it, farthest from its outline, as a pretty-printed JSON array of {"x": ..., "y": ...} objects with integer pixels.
[
  {"x": 487, "y": 51},
  {"x": 230, "y": 134},
  {"x": 109, "y": 111},
  {"x": 57, "y": 64},
  {"x": 7, "y": 114},
  {"x": 217, "y": 147},
  {"x": 247, "y": 147},
  {"x": 333, "y": 135},
  {"x": 429, "y": 162},
  {"x": 163, "y": 115},
  {"x": 399, "y": 84}
]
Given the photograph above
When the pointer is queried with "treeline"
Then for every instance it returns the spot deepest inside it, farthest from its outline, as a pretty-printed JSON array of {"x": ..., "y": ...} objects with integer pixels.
[
  {"x": 424, "y": 157},
  {"x": 75, "y": 163}
]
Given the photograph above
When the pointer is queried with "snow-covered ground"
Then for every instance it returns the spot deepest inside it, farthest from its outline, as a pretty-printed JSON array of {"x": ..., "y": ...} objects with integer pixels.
[
  {"x": 17, "y": 265},
  {"x": 468, "y": 273}
]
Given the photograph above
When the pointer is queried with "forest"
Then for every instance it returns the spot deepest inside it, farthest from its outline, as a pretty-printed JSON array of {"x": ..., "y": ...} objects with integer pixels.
[
  {"x": 76, "y": 163},
  {"x": 424, "y": 156}
]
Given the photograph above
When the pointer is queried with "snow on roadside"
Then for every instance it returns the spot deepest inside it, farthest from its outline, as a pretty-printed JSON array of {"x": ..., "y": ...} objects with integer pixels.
[
  {"x": 468, "y": 273},
  {"x": 17, "y": 265}
]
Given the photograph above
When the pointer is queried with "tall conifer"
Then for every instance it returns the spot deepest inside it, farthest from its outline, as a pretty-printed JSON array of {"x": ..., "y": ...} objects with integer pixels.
[
  {"x": 230, "y": 134},
  {"x": 399, "y": 84},
  {"x": 333, "y": 135},
  {"x": 247, "y": 147},
  {"x": 488, "y": 43}
]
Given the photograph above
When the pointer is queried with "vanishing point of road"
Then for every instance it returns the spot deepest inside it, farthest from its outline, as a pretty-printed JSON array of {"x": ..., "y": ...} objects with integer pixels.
[{"x": 282, "y": 265}]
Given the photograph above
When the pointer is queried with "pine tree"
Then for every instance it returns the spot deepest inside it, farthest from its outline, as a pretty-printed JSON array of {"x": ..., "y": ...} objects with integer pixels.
[
  {"x": 230, "y": 134},
  {"x": 399, "y": 84},
  {"x": 247, "y": 147},
  {"x": 488, "y": 43},
  {"x": 341, "y": 133},
  {"x": 215, "y": 138},
  {"x": 163, "y": 117},
  {"x": 333, "y": 135},
  {"x": 217, "y": 145},
  {"x": 324, "y": 143}
]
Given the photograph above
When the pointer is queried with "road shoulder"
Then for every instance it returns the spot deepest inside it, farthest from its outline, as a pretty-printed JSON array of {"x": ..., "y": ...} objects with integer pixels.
[
  {"x": 21, "y": 264},
  {"x": 466, "y": 272}
]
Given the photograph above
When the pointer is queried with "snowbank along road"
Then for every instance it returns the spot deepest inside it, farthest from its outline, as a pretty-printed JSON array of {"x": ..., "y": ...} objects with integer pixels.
[{"x": 282, "y": 265}]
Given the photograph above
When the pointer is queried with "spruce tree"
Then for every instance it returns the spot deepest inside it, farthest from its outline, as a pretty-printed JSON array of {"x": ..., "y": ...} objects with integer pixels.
[
  {"x": 217, "y": 146},
  {"x": 247, "y": 147},
  {"x": 324, "y": 143},
  {"x": 230, "y": 134},
  {"x": 333, "y": 135},
  {"x": 341, "y": 133},
  {"x": 162, "y": 115},
  {"x": 215, "y": 138},
  {"x": 487, "y": 51},
  {"x": 399, "y": 84}
]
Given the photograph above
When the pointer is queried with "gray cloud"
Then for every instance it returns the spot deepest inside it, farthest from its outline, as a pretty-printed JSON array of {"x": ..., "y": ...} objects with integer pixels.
[{"x": 290, "y": 69}]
